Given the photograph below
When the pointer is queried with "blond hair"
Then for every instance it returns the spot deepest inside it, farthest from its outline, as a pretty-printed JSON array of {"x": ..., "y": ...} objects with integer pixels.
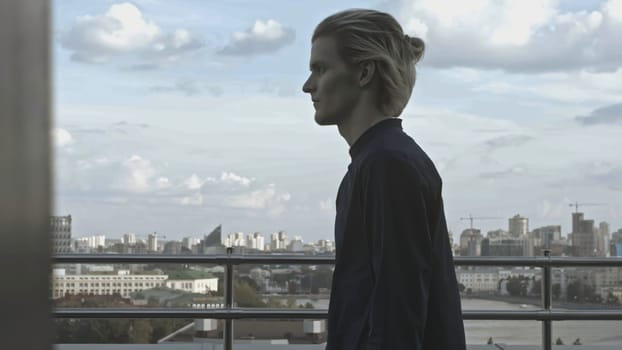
[{"x": 370, "y": 35}]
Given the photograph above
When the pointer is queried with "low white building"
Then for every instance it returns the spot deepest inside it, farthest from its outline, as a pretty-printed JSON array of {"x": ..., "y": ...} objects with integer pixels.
[
  {"x": 607, "y": 277},
  {"x": 122, "y": 283},
  {"x": 201, "y": 286},
  {"x": 616, "y": 291},
  {"x": 479, "y": 280},
  {"x": 518, "y": 271}
]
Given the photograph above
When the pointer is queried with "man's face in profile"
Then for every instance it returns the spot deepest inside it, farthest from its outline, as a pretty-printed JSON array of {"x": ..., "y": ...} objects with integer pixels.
[{"x": 332, "y": 84}]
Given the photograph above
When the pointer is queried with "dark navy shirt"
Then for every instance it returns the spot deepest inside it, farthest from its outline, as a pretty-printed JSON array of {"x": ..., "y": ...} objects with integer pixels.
[{"x": 394, "y": 284}]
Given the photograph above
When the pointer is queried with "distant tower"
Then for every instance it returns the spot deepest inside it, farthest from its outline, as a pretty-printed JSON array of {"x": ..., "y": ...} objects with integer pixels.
[
  {"x": 471, "y": 242},
  {"x": 576, "y": 220},
  {"x": 61, "y": 234},
  {"x": 129, "y": 239},
  {"x": 602, "y": 239},
  {"x": 152, "y": 242},
  {"x": 214, "y": 238},
  {"x": 255, "y": 241},
  {"x": 518, "y": 226},
  {"x": 212, "y": 243},
  {"x": 584, "y": 236}
]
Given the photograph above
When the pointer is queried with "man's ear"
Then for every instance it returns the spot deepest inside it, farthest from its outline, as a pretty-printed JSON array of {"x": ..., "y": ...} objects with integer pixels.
[{"x": 367, "y": 70}]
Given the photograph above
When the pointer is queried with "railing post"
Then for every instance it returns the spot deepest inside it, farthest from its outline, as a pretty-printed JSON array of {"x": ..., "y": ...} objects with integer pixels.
[
  {"x": 229, "y": 300},
  {"x": 547, "y": 341}
]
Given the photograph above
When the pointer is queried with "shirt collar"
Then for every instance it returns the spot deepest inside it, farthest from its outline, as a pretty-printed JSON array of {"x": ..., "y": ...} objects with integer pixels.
[{"x": 371, "y": 132}]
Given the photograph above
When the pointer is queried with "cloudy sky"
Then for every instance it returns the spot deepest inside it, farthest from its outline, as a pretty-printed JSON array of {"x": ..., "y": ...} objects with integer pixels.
[{"x": 177, "y": 116}]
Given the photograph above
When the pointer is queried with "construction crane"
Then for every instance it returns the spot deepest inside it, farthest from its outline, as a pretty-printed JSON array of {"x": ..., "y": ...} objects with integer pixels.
[
  {"x": 576, "y": 205},
  {"x": 471, "y": 218}
]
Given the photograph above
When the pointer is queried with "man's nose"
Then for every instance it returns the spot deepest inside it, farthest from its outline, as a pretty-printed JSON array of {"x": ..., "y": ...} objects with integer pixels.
[{"x": 306, "y": 87}]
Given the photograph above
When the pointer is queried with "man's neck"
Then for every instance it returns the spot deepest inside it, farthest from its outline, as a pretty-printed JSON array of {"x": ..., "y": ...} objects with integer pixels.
[{"x": 355, "y": 126}]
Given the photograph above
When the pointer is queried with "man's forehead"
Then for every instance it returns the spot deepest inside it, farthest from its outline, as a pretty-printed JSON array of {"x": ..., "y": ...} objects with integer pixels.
[{"x": 324, "y": 50}]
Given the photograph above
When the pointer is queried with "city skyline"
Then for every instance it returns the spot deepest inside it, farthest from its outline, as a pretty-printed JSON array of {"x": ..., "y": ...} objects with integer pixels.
[
  {"x": 194, "y": 115},
  {"x": 456, "y": 235}
]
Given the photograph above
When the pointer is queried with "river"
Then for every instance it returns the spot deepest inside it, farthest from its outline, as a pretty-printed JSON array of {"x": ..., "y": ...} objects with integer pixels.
[{"x": 524, "y": 332}]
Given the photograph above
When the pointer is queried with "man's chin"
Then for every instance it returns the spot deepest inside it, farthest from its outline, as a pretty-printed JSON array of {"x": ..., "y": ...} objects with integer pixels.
[{"x": 322, "y": 120}]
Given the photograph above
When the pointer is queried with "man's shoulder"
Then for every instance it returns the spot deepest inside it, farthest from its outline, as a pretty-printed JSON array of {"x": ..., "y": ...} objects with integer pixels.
[
  {"x": 408, "y": 160},
  {"x": 393, "y": 155},
  {"x": 388, "y": 163}
]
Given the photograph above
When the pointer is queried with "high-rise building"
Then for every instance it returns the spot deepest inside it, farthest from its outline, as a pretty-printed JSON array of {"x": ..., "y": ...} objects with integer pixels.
[
  {"x": 583, "y": 236},
  {"x": 296, "y": 244},
  {"x": 507, "y": 247},
  {"x": 61, "y": 234},
  {"x": 91, "y": 242},
  {"x": 497, "y": 234},
  {"x": 255, "y": 241},
  {"x": 471, "y": 242},
  {"x": 172, "y": 247},
  {"x": 602, "y": 239},
  {"x": 236, "y": 239},
  {"x": 212, "y": 243},
  {"x": 576, "y": 220},
  {"x": 518, "y": 226},
  {"x": 528, "y": 246},
  {"x": 615, "y": 244},
  {"x": 152, "y": 242},
  {"x": 279, "y": 241},
  {"x": 214, "y": 238},
  {"x": 503, "y": 247},
  {"x": 543, "y": 237},
  {"x": 188, "y": 242},
  {"x": 129, "y": 239}
]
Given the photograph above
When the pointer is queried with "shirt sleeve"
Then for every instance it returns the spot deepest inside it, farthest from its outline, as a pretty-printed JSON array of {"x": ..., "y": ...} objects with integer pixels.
[{"x": 396, "y": 222}]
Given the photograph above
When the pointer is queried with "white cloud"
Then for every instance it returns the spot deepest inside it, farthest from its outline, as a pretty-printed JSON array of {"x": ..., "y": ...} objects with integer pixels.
[
  {"x": 123, "y": 30},
  {"x": 231, "y": 178},
  {"x": 520, "y": 36},
  {"x": 263, "y": 37},
  {"x": 266, "y": 198},
  {"x": 138, "y": 173},
  {"x": 614, "y": 8},
  {"x": 194, "y": 182},
  {"x": 61, "y": 137}
]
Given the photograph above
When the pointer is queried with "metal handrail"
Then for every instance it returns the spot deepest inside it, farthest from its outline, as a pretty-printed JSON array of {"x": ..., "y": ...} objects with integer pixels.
[
  {"x": 273, "y": 313},
  {"x": 546, "y": 315},
  {"x": 274, "y": 259}
]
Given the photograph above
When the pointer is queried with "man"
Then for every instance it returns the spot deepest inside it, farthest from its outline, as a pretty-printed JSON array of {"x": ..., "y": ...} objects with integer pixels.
[{"x": 394, "y": 285}]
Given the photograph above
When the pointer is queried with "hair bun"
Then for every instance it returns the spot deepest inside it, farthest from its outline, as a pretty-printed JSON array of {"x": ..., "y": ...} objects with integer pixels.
[{"x": 416, "y": 46}]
